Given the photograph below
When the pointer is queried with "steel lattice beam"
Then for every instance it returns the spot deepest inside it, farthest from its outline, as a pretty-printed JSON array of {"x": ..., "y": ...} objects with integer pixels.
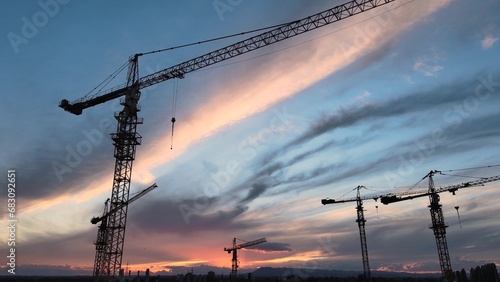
[
  {"x": 100, "y": 243},
  {"x": 361, "y": 226},
  {"x": 234, "y": 248},
  {"x": 125, "y": 140},
  {"x": 234, "y": 265},
  {"x": 439, "y": 228},
  {"x": 278, "y": 34},
  {"x": 362, "y": 236}
]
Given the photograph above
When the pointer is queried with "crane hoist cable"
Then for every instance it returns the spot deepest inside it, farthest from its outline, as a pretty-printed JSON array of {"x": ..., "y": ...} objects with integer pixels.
[
  {"x": 174, "y": 108},
  {"x": 302, "y": 42},
  {"x": 216, "y": 39},
  {"x": 106, "y": 81},
  {"x": 466, "y": 176},
  {"x": 457, "y": 206},
  {"x": 347, "y": 193},
  {"x": 458, "y": 214},
  {"x": 469, "y": 168}
]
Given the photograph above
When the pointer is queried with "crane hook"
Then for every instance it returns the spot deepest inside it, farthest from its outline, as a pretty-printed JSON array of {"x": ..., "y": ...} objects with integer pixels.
[
  {"x": 174, "y": 107},
  {"x": 172, "y": 137},
  {"x": 458, "y": 214}
]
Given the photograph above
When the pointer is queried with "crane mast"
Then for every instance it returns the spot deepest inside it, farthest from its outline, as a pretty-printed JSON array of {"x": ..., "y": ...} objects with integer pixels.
[
  {"x": 361, "y": 226},
  {"x": 362, "y": 236},
  {"x": 439, "y": 228},
  {"x": 100, "y": 242},
  {"x": 125, "y": 140},
  {"x": 234, "y": 250},
  {"x": 126, "y": 137}
]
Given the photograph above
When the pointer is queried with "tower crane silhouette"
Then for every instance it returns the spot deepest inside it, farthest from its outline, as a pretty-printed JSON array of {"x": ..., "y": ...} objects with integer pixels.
[
  {"x": 438, "y": 225},
  {"x": 102, "y": 236},
  {"x": 361, "y": 225},
  {"x": 126, "y": 137},
  {"x": 234, "y": 249}
]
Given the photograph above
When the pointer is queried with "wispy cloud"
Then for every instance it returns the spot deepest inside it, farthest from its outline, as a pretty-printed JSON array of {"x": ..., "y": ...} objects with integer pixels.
[
  {"x": 427, "y": 66},
  {"x": 488, "y": 41},
  {"x": 460, "y": 133}
]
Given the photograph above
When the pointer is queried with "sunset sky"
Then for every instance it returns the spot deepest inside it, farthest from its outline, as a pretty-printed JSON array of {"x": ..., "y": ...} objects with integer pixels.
[{"x": 378, "y": 99}]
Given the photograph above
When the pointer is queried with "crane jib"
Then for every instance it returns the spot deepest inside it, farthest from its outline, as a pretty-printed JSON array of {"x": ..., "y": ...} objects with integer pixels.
[
  {"x": 278, "y": 34},
  {"x": 78, "y": 106},
  {"x": 96, "y": 220}
]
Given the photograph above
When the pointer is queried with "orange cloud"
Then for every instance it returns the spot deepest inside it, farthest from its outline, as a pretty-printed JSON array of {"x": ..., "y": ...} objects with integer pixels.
[
  {"x": 305, "y": 256},
  {"x": 44, "y": 216},
  {"x": 245, "y": 89}
]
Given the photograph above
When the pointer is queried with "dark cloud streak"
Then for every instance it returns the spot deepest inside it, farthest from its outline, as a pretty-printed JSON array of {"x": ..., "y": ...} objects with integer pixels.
[
  {"x": 459, "y": 136},
  {"x": 187, "y": 216},
  {"x": 272, "y": 247}
]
